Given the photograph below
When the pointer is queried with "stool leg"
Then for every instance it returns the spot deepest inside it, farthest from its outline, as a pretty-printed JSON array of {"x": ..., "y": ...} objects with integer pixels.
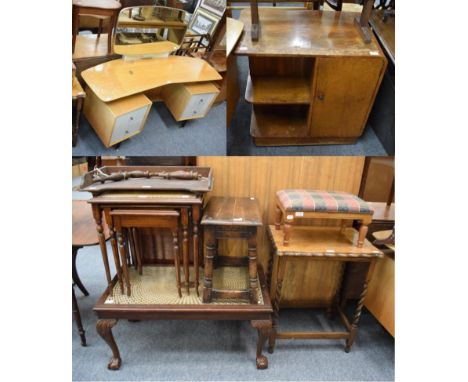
[
  {"x": 362, "y": 234},
  {"x": 100, "y": 28},
  {"x": 252, "y": 245},
  {"x": 77, "y": 315},
  {"x": 209, "y": 254},
  {"x": 287, "y": 231},
  {"x": 123, "y": 259},
  {"x": 112, "y": 22},
  {"x": 278, "y": 216}
]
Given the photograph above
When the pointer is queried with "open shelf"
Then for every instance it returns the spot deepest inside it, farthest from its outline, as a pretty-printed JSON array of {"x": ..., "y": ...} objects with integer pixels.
[
  {"x": 279, "y": 122},
  {"x": 278, "y": 90}
]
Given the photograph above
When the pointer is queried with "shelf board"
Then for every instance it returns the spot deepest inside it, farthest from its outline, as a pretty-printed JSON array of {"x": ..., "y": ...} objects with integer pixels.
[
  {"x": 286, "y": 125},
  {"x": 278, "y": 90}
]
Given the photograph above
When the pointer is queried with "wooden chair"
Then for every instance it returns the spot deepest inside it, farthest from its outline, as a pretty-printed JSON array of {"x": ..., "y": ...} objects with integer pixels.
[{"x": 98, "y": 8}]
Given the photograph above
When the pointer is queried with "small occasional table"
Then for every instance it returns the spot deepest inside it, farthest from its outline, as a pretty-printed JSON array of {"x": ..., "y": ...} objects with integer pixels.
[
  {"x": 320, "y": 244},
  {"x": 84, "y": 234},
  {"x": 227, "y": 218}
]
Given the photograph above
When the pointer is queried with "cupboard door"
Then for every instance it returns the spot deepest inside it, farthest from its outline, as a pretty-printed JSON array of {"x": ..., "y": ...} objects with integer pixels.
[{"x": 344, "y": 90}]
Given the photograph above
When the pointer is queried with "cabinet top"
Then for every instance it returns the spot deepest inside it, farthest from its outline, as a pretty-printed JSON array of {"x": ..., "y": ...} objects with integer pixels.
[{"x": 305, "y": 33}]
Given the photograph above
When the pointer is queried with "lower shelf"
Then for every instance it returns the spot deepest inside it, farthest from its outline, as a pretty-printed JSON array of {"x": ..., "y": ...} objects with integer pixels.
[{"x": 286, "y": 125}]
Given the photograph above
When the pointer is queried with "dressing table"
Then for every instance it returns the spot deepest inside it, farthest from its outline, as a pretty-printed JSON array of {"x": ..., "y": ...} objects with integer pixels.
[{"x": 120, "y": 92}]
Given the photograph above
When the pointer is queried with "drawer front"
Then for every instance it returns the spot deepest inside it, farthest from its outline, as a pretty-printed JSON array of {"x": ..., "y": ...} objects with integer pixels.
[
  {"x": 198, "y": 105},
  {"x": 127, "y": 124}
]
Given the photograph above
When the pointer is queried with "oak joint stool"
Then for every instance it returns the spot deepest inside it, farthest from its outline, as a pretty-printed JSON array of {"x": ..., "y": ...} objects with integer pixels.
[
  {"x": 300, "y": 203},
  {"x": 231, "y": 218}
]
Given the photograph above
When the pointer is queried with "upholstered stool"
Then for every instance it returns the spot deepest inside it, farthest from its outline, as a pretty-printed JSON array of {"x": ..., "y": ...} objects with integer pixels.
[
  {"x": 106, "y": 8},
  {"x": 120, "y": 219},
  {"x": 298, "y": 203}
]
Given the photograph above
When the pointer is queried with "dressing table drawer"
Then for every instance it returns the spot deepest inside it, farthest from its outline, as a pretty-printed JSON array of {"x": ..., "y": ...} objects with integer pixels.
[
  {"x": 117, "y": 120},
  {"x": 189, "y": 101}
]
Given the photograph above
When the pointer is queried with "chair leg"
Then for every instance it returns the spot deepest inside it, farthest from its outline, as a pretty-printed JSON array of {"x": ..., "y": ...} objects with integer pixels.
[{"x": 100, "y": 28}]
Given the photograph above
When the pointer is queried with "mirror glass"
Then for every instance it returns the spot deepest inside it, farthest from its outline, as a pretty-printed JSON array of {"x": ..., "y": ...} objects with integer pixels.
[{"x": 149, "y": 31}]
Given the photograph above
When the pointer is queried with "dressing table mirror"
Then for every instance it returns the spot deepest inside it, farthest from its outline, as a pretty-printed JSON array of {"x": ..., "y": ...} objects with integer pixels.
[{"x": 149, "y": 31}]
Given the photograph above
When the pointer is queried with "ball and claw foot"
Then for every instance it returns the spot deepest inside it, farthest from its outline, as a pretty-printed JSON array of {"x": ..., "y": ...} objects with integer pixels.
[
  {"x": 262, "y": 362},
  {"x": 114, "y": 363}
]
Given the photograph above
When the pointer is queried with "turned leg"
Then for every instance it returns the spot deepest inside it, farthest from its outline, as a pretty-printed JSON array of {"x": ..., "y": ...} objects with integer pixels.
[
  {"x": 209, "y": 254},
  {"x": 264, "y": 328},
  {"x": 137, "y": 251},
  {"x": 278, "y": 217},
  {"x": 253, "y": 279},
  {"x": 175, "y": 241},
  {"x": 185, "y": 249},
  {"x": 362, "y": 234},
  {"x": 287, "y": 231},
  {"x": 115, "y": 252},
  {"x": 123, "y": 259},
  {"x": 77, "y": 315},
  {"x": 102, "y": 244},
  {"x": 358, "y": 310},
  {"x": 196, "y": 251},
  {"x": 75, "y": 277},
  {"x": 276, "y": 304},
  {"x": 104, "y": 329}
]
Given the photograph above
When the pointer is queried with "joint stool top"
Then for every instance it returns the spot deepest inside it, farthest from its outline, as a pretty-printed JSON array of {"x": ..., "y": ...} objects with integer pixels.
[
  {"x": 232, "y": 211},
  {"x": 103, "y": 4},
  {"x": 322, "y": 201}
]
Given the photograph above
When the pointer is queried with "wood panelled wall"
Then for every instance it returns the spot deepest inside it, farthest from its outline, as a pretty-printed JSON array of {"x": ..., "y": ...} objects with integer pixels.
[{"x": 261, "y": 177}]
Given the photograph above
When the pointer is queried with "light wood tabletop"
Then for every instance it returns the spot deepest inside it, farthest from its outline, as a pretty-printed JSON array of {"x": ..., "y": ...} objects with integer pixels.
[
  {"x": 118, "y": 78},
  {"x": 146, "y": 49}
]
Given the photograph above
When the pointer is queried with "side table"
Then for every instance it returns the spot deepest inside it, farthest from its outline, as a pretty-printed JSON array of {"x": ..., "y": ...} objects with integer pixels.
[
  {"x": 320, "y": 244},
  {"x": 228, "y": 218},
  {"x": 84, "y": 234}
]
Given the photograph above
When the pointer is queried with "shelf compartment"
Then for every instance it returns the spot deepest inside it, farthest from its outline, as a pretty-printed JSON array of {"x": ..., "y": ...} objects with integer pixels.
[{"x": 268, "y": 90}]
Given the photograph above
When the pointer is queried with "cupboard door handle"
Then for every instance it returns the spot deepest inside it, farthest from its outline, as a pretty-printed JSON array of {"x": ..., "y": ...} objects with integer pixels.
[{"x": 321, "y": 97}]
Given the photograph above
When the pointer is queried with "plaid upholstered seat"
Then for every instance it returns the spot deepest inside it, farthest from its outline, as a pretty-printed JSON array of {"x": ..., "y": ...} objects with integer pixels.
[{"x": 322, "y": 201}]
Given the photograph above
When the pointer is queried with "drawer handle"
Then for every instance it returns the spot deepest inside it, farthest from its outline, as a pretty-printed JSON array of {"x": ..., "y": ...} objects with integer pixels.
[
  {"x": 131, "y": 118},
  {"x": 126, "y": 132},
  {"x": 201, "y": 100}
]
